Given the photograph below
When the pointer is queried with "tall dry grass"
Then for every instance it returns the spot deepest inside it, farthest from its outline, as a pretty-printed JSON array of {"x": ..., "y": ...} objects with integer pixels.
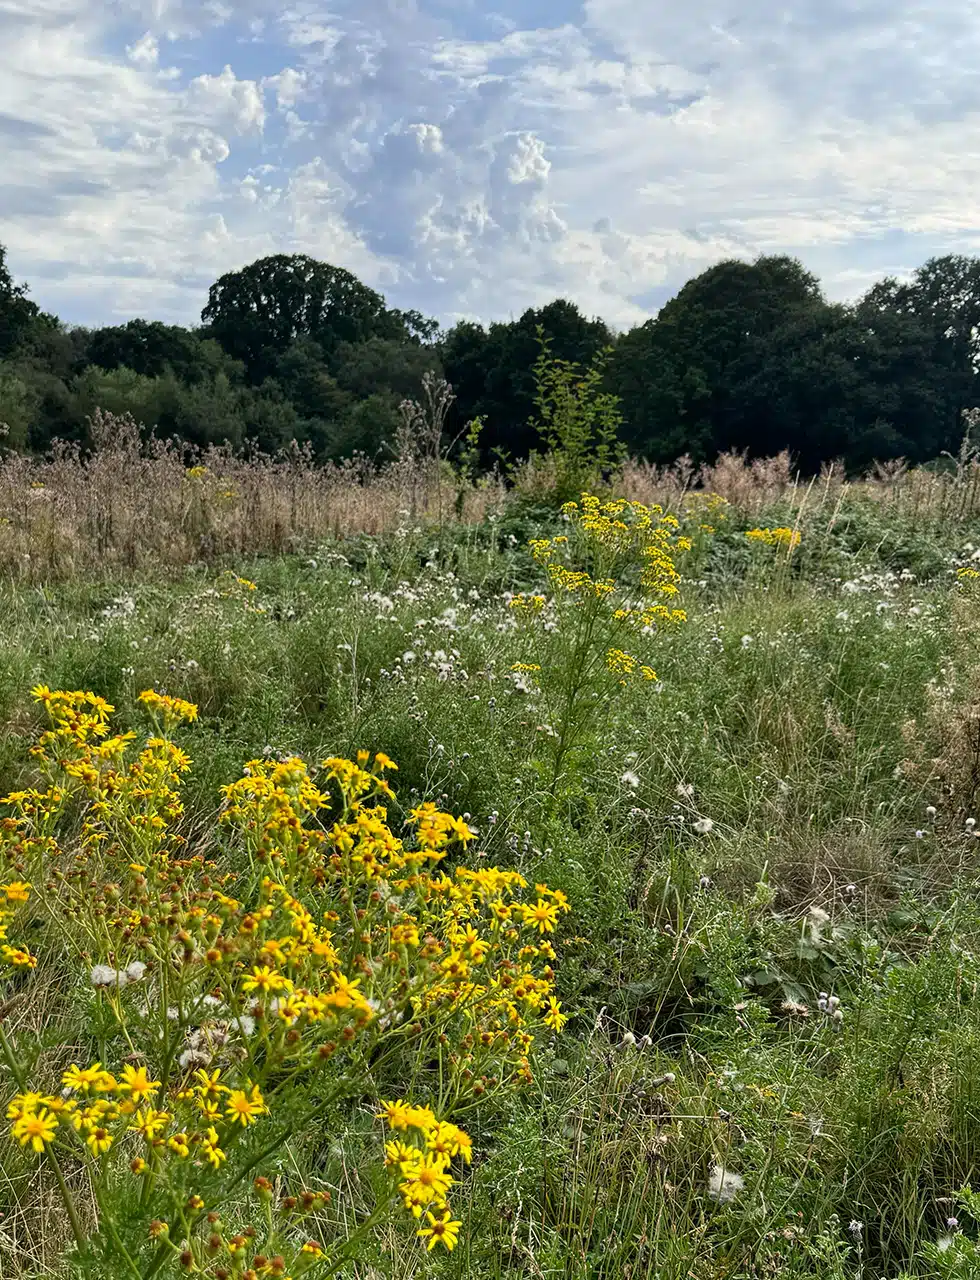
[
  {"x": 932, "y": 497},
  {"x": 128, "y": 503}
]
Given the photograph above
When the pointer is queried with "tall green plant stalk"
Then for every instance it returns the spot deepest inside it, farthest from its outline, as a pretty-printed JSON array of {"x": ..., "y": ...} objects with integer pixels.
[{"x": 578, "y": 421}]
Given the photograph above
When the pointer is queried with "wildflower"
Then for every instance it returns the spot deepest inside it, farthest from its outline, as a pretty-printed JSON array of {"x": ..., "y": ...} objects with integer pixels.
[
  {"x": 208, "y": 1085},
  {"x": 442, "y": 1230},
  {"x": 554, "y": 1017},
  {"x": 244, "y": 1108},
  {"x": 137, "y": 1083},
  {"x": 22, "y": 1104},
  {"x": 36, "y": 1128},
  {"x": 179, "y": 1144},
  {"x": 266, "y": 980},
  {"x": 704, "y": 826},
  {"x": 787, "y": 538},
  {"x": 723, "y": 1185},
  {"x": 149, "y": 1123},
  {"x": 855, "y": 1230},
  {"x": 212, "y": 1151},
  {"x": 98, "y": 1141},
  {"x": 630, "y": 779},
  {"x": 89, "y": 1078},
  {"x": 170, "y": 710},
  {"x": 398, "y": 1153},
  {"x": 446, "y": 1140},
  {"x": 543, "y": 915},
  {"x": 18, "y": 891},
  {"x": 427, "y": 1179}
]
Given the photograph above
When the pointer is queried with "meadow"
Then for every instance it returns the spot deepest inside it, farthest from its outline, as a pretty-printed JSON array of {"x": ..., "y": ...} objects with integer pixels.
[{"x": 269, "y": 1010}]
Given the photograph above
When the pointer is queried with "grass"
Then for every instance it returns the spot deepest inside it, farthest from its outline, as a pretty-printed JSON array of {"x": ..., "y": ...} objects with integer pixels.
[{"x": 784, "y": 813}]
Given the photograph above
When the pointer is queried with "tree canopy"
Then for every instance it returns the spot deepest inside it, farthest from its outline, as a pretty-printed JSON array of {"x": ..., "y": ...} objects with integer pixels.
[
  {"x": 748, "y": 355},
  {"x": 258, "y": 312},
  {"x": 17, "y": 313}
]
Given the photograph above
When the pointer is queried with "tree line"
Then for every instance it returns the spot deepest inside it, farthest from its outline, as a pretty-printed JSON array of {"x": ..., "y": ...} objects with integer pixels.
[{"x": 747, "y": 356}]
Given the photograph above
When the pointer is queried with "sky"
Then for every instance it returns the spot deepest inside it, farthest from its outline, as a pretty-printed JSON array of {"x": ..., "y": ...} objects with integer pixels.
[{"x": 472, "y": 158}]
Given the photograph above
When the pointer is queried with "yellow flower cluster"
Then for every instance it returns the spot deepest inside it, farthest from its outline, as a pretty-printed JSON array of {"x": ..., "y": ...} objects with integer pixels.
[
  {"x": 423, "y": 1166},
  {"x": 170, "y": 711},
  {"x": 527, "y": 605},
  {"x": 967, "y": 574},
  {"x": 341, "y": 935},
  {"x": 788, "y": 538},
  {"x": 233, "y": 587},
  {"x": 707, "y": 510},
  {"x": 620, "y": 530},
  {"x": 97, "y": 1109},
  {"x": 625, "y": 666},
  {"x": 615, "y": 537},
  {"x": 11, "y": 896}
]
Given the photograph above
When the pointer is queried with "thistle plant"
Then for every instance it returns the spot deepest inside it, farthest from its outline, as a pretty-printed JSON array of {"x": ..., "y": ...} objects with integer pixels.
[{"x": 235, "y": 1011}]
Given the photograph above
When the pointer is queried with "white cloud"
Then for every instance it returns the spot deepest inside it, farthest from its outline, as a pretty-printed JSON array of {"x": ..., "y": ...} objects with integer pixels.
[
  {"x": 225, "y": 97},
  {"x": 288, "y": 86},
  {"x": 145, "y": 52},
  {"x": 477, "y": 166}
]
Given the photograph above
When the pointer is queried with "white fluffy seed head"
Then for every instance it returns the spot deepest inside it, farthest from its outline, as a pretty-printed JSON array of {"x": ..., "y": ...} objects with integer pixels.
[{"x": 723, "y": 1185}]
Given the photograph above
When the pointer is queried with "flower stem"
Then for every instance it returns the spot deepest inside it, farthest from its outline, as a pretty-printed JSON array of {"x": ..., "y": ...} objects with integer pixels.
[{"x": 77, "y": 1229}]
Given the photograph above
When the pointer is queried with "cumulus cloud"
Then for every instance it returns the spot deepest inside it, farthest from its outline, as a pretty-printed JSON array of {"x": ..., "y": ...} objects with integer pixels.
[
  {"x": 145, "y": 51},
  {"x": 477, "y": 163},
  {"x": 287, "y": 85},
  {"x": 238, "y": 103}
]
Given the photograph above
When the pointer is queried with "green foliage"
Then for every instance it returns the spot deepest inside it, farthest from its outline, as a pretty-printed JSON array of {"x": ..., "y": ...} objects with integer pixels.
[
  {"x": 748, "y": 357},
  {"x": 735, "y": 838},
  {"x": 17, "y": 408},
  {"x": 492, "y": 370},
  {"x": 18, "y": 315},
  {"x": 577, "y": 421},
  {"x": 257, "y": 312},
  {"x": 751, "y": 356}
]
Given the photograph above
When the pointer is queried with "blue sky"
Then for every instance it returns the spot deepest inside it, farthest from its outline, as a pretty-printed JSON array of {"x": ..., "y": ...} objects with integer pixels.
[{"x": 476, "y": 157}]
